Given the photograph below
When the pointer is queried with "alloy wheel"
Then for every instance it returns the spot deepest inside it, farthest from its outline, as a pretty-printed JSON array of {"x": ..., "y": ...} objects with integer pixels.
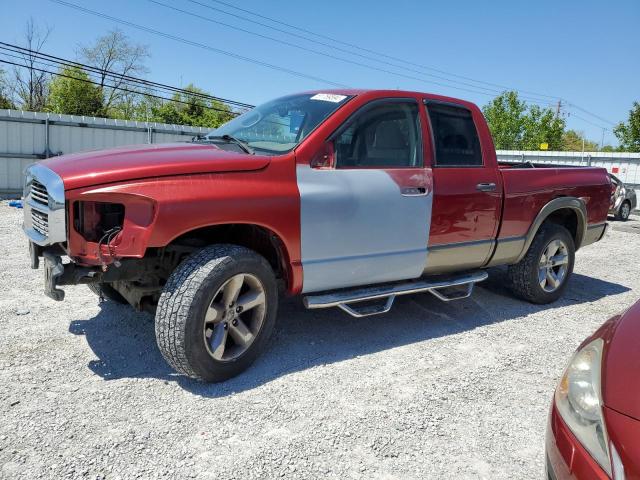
[
  {"x": 625, "y": 210},
  {"x": 234, "y": 317},
  {"x": 552, "y": 269}
]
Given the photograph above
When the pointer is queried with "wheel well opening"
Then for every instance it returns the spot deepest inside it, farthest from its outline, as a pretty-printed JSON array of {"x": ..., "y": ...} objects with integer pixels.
[
  {"x": 254, "y": 237},
  {"x": 567, "y": 218}
]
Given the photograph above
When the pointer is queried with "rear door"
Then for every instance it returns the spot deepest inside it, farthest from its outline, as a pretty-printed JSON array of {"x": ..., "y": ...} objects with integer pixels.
[
  {"x": 467, "y": 192},
  {"x": 365, "y": 218}
]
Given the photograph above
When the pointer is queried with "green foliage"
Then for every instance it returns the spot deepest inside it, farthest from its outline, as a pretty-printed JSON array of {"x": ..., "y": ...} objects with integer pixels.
[
  {"x": 73, "y": 94},
  {"x": 542, "y": 126},
  {"x": 505, "y": 116},
  {"x": 572, "y": 142},
  {"x": 516, "y": 127},
  {"x": 190, "y": 109},
  {"x": 629, "y": 133},
  {"x": 5, "y": 100}
]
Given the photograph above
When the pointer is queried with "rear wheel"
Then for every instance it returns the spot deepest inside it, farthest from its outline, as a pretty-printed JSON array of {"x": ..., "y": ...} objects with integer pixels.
[
  {"x": 542, "y": 275},
  {"x": 624, "y": 211},
  {"x": 106, "y": 291},
  {"x": 216, "y": 312}
]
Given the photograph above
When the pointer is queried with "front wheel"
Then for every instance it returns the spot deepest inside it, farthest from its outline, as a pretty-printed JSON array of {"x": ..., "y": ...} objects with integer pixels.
[
  {"x": 216, "y": 312},
  {"x": 542, "y": 275}
]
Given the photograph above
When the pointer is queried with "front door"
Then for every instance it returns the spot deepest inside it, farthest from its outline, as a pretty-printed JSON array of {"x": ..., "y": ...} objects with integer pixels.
[{"x": 366, "y": 219}]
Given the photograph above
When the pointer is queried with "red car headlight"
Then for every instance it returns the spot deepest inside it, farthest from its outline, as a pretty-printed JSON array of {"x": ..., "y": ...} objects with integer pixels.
[{"x": 579, "y": 401}]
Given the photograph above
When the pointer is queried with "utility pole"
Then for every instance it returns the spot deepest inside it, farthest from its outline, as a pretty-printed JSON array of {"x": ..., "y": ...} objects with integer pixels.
[
  {"x": 558, "y": 107},
  {"x": 602, "y": 140}
]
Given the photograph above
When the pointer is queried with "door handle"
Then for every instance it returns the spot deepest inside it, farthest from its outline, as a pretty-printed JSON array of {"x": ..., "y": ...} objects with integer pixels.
[
  {"x": 413, "y": 191},
  {"x": 486, "y": 187}
]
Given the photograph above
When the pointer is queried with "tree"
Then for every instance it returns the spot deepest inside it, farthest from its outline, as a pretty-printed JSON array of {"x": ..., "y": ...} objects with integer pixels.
[
  {"x": 5, "y": 98},
  {"x": 30, "y": 84},
  {"x": 516, "y": 127},
  {"x": 505, "y": 116},
  {"x": 191, "y": 109},
  {"x": 572, "y": 141},
  {"x": 542, "y": 126},
  {"x": 628, "y": 134},
  {"x": 116, "y": 57},
  {"x": 72, "y": 93}
]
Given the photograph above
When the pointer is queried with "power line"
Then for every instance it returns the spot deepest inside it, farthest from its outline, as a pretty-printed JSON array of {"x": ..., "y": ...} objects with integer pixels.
[
  {"x": 573, "y": 105},
  {"x": 146, "y": 94},
  {"x": 325, "y": 54},
  {"x": 357, "y": 47},
  {"x": 377, "y": 53},
  {"x": 115, "y": 75},
  {"x": 336, "y": 57},
  {"x": 197, "y": 44},
  {"x": 208, "y": 47},
  {"x": 588, "y": 121},
  {"x": 234, "y": 55}
]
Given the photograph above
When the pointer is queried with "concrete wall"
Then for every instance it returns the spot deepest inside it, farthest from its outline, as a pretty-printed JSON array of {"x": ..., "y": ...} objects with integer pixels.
[{"x": 26, "y": 137}]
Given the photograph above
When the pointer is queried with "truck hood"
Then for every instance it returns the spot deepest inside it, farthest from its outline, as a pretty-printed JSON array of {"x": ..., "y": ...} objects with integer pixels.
[
  {"x": 621, "y": 389},
  {"x": 85, "y": 169}
]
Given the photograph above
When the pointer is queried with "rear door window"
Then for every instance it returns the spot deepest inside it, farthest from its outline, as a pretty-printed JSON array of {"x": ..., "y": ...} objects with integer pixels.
[{"x": 455, "y": 136}]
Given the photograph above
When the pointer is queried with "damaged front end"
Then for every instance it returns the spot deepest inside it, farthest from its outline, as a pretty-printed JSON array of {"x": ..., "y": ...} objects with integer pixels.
[{"x": 94, "y": 235}]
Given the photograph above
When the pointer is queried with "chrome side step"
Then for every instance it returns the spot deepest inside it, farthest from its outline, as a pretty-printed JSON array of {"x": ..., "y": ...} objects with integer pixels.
[{"x": 344, "y": 299}]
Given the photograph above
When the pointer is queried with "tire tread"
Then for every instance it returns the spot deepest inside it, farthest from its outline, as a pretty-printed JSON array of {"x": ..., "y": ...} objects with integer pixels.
[
  {"x": 522, "y": 276},
  {"x": 178, "y": 296}
]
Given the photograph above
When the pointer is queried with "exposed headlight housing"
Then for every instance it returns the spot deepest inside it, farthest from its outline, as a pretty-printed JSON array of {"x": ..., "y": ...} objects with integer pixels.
[
  {"x": 579, "y": 401},
  {"x": 94, "y": 220}
]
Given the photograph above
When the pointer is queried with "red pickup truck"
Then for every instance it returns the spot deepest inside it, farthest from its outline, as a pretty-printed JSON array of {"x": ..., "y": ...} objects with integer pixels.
[{"x": 346, "y": 197}]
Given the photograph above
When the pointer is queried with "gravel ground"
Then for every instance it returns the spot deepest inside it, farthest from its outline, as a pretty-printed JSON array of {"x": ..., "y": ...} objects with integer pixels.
[{"x": 431, "y": 390}]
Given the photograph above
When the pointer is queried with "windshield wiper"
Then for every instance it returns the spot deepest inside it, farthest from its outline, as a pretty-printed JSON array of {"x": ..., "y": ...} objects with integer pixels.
[{"x": 229, "y": 139}]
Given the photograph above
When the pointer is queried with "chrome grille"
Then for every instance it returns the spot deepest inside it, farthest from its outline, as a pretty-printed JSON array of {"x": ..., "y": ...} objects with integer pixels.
[
  {"x": 39, "y": 193},
  {"x": 44, "y": 206},
  {"x": 40, "y": 222}
]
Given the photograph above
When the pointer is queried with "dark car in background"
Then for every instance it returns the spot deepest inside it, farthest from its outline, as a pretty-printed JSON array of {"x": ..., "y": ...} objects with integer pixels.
[
  {"x": 623, "y": 199},
  {"x": 594, "y": 424}
]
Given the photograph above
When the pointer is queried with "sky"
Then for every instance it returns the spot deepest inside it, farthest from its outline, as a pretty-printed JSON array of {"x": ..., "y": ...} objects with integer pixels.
[{"x": 584, "y": 52}]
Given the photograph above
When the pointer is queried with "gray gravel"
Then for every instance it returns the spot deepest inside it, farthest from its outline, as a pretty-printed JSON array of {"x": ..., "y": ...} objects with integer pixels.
[{"x": 431, "y": 390}]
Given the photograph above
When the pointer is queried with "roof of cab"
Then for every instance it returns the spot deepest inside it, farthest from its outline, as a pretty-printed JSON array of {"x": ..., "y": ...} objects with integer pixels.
[{"x": 395, "y": 93}]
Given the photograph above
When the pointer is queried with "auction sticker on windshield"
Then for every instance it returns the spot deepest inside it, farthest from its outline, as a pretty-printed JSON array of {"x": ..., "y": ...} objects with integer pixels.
[{"x": 329, "y": 97}]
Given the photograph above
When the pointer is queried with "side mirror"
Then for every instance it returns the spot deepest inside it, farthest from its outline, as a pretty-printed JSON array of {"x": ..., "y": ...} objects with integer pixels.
[{"x": 325, "y": 157}]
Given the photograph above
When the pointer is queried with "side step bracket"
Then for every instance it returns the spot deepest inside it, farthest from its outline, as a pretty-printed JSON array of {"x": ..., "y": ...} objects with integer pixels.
[{"x": 443, "y": 288}]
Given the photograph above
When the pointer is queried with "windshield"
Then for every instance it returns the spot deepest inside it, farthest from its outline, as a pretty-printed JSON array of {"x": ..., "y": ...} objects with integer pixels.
[{"x": 280, "y": 125}]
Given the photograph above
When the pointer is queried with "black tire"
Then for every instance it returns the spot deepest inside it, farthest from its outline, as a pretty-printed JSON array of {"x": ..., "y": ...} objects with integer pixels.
[
  {"x": 107, "y": 292},
  {"x": 180, "y": 317},
  {"x": 523, "y": 276},
  {"x": 622, "y": 214}
]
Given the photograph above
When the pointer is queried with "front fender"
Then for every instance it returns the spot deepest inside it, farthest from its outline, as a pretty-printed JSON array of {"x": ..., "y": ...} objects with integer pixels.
[{"x": 176, "y": 205}]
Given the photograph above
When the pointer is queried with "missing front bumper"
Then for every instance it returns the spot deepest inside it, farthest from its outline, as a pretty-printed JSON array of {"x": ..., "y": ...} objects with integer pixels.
[{"x": 53, "y": 270}]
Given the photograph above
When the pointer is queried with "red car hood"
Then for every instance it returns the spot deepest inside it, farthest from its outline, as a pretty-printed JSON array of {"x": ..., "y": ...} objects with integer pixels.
[
  {"x": 621, "y": 371},
  {"x": 143, "y": 161}
]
